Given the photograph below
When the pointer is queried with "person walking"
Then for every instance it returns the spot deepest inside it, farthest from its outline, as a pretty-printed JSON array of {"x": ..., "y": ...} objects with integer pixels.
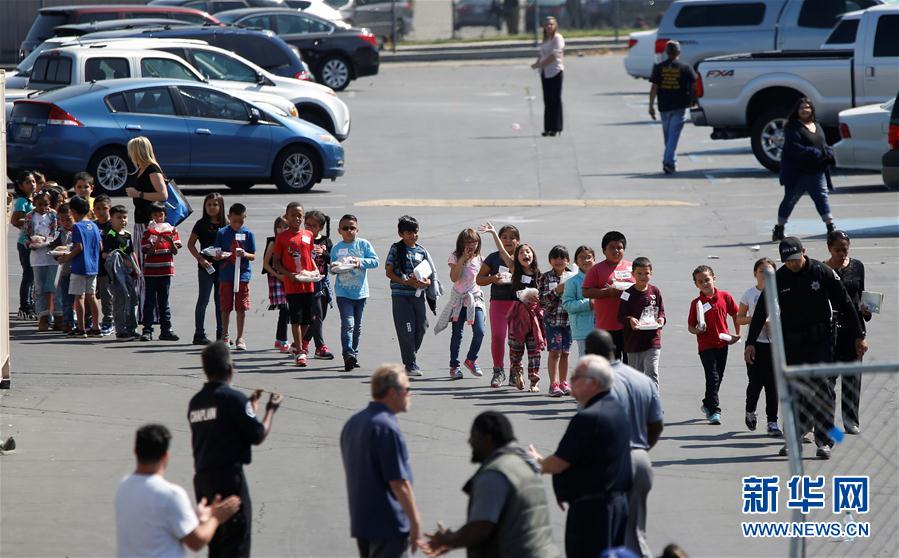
[
  {"x": 592, "y": 466},
  {"x": 153, "y": 516},
  {"x": 223, "y": 426},
  {"x": 384, "y": 517},
  {"x": 149, "y": 187},
  {"x": 508, "y": 514},
  {"x": 852, "y": 274},
  {"x": 804, "y": 166},
  {"x": 808, "y": 294},
  {"x": 640, "y": 396},
  {"x": 551, "y": 65},
  {"x": 672, "y": 83}
]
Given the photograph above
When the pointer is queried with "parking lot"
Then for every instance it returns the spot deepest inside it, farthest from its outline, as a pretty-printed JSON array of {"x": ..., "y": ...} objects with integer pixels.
[{"x": 455, "y": 145}]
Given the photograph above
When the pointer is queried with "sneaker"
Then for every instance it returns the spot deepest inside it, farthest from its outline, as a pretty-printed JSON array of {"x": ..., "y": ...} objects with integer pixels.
[
  {"x": 455, "y": 373},
  {"x": 751, "y": 421},
  {"x": 555, "y": 390},
  {"x": 146, "y": 336},
  {"x": 349, "y": 362},
  {"x": 705, "y": 412},
  {"x": 107, "y": 329},
  {"x": 284, "y": 347},
  {"x": 125, "y": 336},
  {"x": 323, "y": 353},
  {"x": 517, "y": 376},
  {"x": 168, "y": 336},
  {"x": 715, "y": 418},
  {"x": 823, "y": 452},
  {"x": 473, "y": 368},
  {"x": 667, "y": 169},
  {"x": 807, "y": 438},
  {"x": 774, "y": 431},
  {"x": 852, "y": 429},
  {"x": 415, "y": 372},
  {"x": 227, "y": 340},
  {"x": 279, "y": 344},
  {"x": 95, "y": 333},
  {"x": 565, "y": 387},
  {"x": 201, "y": 340},
  {"x": 499, "y": 376},
  {"x": 301, "y": 360},
  {"x": 357, "y": 365},
  {"x": 778, "y": 233},
  {"x": 783, "y": 451},
  {"x": 241, "y": 344},
  {"x": 306, "y": 346}
]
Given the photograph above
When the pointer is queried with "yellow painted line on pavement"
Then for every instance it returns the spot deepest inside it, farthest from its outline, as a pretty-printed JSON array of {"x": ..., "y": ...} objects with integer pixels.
[{"x": 417, "y": 202}]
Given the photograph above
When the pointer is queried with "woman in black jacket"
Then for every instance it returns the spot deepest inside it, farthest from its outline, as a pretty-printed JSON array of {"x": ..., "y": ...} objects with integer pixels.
[{"x": 804, "y": 166}]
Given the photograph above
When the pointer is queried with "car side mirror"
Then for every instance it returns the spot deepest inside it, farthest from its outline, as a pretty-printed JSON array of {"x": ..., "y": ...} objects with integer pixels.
[
  {"x": 255, "y": 115},
  {"x": 260, "y": 78}
]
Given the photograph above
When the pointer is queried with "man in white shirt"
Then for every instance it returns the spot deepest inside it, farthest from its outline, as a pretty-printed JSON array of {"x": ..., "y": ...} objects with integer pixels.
[{"x": 155, "y": 517}]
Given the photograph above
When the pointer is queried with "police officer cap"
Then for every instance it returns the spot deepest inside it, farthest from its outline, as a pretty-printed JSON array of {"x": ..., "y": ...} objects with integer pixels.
[{"x": 790, "y": 249}]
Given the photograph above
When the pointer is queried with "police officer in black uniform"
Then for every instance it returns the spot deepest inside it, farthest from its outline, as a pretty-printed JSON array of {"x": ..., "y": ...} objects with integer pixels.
[
  {"x": 223, "y": 426},
  {"x": 808, "y": 294}
]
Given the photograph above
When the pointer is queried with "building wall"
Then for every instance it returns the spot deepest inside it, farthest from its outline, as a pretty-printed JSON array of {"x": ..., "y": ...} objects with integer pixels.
[{"x": 16, "y": 17}]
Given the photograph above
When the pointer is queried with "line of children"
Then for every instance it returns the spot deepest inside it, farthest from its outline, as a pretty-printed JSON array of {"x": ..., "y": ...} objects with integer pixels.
[{"x": 352, "y": 257}]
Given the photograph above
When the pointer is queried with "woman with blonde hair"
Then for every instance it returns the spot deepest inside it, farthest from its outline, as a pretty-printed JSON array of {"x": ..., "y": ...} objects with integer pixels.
[
  {"x": 549, "y": 62},
  {"x": 148, "y": 187}
]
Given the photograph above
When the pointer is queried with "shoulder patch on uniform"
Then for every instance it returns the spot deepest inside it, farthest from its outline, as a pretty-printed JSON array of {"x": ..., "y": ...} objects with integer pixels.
[{"x": 248, "y": 408}]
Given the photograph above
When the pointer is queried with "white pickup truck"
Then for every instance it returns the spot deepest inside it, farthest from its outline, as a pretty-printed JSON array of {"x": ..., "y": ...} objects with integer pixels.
[{"x": 751, "y": 94}]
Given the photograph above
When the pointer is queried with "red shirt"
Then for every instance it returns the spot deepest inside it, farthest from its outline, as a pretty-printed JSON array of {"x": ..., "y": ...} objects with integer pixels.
[
  {"x": 159, "y": 261},
  {"x": 294, "y": 251},
  {"x": 717, "y": 308},
  {"x": 600, "y": 276}
]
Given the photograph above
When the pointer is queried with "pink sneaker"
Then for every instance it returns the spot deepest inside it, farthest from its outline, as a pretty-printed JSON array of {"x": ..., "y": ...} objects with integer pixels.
[
  {"x": 285, "y": 347},
  {"x": 301, "y": 360},
  {"x": 566, "y": 388},
  {"x": 555, "y": 391}
]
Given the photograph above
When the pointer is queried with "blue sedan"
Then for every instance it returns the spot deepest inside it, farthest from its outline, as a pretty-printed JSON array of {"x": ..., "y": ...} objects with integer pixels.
[{"x": 200, "y": 135}]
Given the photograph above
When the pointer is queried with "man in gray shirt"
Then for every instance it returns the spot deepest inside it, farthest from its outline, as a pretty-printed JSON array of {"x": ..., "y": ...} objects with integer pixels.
[
  {"x": 640, "y": 397},
  {"x": 508, "y": 513}
]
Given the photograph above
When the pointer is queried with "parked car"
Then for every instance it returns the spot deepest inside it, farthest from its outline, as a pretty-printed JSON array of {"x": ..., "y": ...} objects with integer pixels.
[
  {"x": 641, "y": 56},
  {"x": 751, "y": 94},
  {"x": 213, "y": 6},
  {"x": 707, "y": 28},
  {"x": 312, "y": 102},
  {"x": 554, "y": 8},
  {"x": 196, "y": 131},
  {"x": 337, "y": 54},
  {"x": 263, "y": 48},
  {"x": 79, "y": 29},
  {"x": 317, "y": 8},
  {"x": 477, "y": 13},
  {"x": 863, "y": 136},
  {"x": 376, "y": 15},
  {"x": 50, "y": 18},
  {"x": 890, "y": 160}
]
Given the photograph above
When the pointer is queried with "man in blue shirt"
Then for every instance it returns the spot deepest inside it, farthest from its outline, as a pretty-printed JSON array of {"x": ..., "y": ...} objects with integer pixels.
[
  {"x": 85, "y": 258},
  {"x": 384, "y": 517},
  {"x": 640, "y": 397}
]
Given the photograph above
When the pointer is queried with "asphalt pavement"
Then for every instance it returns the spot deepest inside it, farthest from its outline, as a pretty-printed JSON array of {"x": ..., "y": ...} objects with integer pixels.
[{"x": 467, "y": 133}]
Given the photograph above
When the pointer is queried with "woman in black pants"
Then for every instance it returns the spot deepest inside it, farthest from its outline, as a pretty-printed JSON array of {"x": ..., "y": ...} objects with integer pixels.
[
  {"x": 852, "y": 273},
  {"x": 551, "y": 68},
  {"x": 804, "y": 166}
]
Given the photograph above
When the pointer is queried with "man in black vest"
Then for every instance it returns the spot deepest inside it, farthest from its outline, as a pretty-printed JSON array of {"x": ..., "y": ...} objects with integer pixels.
[
  {"x": 808, "y": 294},
  {"x": 592, "y": 467},
  {"x": 223, "y": 426},
  {"x": 507, "y": 511}
]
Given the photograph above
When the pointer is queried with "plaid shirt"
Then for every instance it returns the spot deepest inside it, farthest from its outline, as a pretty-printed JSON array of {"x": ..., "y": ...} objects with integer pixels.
[{"x": 551, "y": 301}]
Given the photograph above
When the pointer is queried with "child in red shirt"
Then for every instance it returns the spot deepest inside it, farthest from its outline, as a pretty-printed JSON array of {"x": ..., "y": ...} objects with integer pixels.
[
  {"x": 604, "y": 283},
  {"x": 292, "y": 258},
  {"x": 712, "y": 335},
  {"x": 160, "y": 244}
]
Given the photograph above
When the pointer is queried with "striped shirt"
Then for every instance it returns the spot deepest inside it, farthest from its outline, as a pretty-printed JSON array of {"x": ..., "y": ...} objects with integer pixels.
[{"x": 159, "y": 259}]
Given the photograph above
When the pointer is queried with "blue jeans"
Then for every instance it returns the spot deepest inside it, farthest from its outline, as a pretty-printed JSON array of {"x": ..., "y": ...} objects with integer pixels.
[
  {"x": 672, "y": 124},
  {"x": 350, "y": 324},
  {"x": 156, "y": 297},
  {"x": 62, "y": 304},
  {"x": 816, "y": 187},
  {"x": 26, "y": 285},
  {"x": 477, "y": 335},
  {"x": 208, "y": 284}
]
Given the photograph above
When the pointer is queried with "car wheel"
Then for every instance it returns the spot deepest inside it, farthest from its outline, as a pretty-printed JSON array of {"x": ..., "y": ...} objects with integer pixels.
[
  {"x": 297, "y": 169},
  {"x": 317, "y": 117},
  {"x": 239, "y": 185},
  {"x": 110, "y": 168},
  {"x": 335, "y": 73},
  {"x": 767, "y": 137}
]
